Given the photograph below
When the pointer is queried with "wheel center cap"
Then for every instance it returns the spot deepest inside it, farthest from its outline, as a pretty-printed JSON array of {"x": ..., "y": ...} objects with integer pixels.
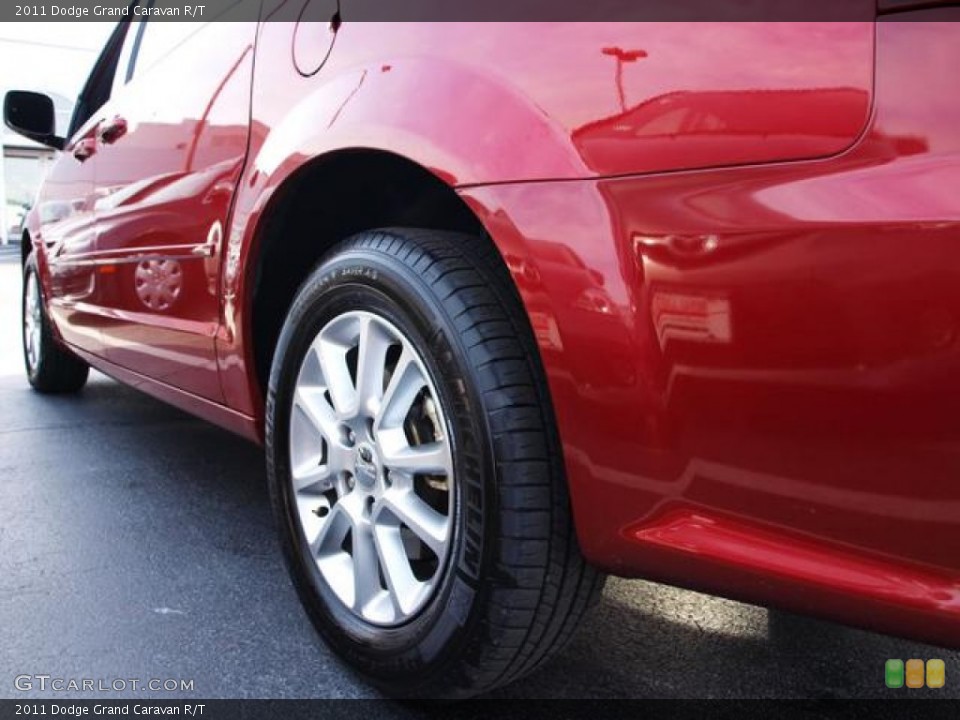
[{"x": 366, "y": 464}]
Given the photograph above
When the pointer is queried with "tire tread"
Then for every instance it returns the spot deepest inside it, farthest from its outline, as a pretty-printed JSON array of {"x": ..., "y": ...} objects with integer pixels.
[{"x": 543, "y": 586}]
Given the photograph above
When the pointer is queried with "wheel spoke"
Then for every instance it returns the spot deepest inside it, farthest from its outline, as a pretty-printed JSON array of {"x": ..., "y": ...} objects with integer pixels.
[
  {"x": 403, "y": 586},
  {"x": 366, "y": 567},
  {"x": 406, "y": 382},
  {"x": 332, "y": 533},
  {"x": 311, "y": 476},
  {"x": 314, "y": 405},
  {"x": 425, "y": 522},
  {"x": 336, "y": 376},
  {"x": 427, "y": 459},
  {"x": 371, "y": 361}
]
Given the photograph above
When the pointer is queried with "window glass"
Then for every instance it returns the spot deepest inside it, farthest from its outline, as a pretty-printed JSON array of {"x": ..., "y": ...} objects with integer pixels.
[
  {"x": 160, "y": 38},
  {"x": 97, "y": 89}
]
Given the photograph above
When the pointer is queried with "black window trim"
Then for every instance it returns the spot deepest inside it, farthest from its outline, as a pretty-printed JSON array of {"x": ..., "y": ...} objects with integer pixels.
[
  {"x": 108, "y": 57},
  {"x": 135, "y": 50}
]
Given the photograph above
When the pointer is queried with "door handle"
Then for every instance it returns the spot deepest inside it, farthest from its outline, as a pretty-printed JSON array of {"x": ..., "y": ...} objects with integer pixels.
[
  {"x": 112, "y": 130},
  {"x": 206, "y": 250},
  {"x": 212, "y": 245},
  {"x": 84, "y": 148}
]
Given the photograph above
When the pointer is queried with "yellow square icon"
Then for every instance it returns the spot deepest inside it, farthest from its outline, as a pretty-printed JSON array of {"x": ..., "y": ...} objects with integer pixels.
[
  {"x": 914, "y": 673},
  {"x": 936, "y": 673}
]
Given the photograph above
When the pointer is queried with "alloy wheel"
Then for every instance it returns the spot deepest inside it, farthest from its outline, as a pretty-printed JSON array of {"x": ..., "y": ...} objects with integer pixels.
[
  {"x": 32, "y": 322},
  {"x": 371, "y": 468}
]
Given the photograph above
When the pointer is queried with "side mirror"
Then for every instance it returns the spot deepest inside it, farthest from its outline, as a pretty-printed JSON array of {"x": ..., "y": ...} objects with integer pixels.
[{"x": 32, "y": 115}]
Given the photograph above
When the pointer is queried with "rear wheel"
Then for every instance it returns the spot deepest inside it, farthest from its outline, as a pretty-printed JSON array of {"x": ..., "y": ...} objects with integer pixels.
[
  {"x": 415, "y": 468},
  {"x": 51, "y": 368}
]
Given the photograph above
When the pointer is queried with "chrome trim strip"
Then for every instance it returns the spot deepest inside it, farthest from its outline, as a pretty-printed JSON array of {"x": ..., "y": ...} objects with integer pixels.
[{"x": 114, "y": 257}]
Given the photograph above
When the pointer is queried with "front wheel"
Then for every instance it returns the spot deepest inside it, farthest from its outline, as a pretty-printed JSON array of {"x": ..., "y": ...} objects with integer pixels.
[
  {"x": 415, "y": 470},
  {"x": 50, "y": 367}
]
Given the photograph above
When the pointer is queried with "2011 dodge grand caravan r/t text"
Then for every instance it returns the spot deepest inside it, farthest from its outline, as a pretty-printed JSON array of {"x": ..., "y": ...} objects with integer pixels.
[{"x": 642, "y": 299}]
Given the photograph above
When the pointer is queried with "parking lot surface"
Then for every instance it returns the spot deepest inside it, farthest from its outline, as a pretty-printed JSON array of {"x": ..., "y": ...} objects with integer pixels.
[{"x": 136, "y": 542}]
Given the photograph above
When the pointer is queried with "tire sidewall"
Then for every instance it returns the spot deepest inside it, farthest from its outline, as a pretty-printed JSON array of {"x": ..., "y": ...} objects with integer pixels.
[{"x": 364, "y": 279}]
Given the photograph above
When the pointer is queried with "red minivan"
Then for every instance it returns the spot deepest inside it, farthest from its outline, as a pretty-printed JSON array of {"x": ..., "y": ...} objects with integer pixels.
[{"x": 670, "y": 300}]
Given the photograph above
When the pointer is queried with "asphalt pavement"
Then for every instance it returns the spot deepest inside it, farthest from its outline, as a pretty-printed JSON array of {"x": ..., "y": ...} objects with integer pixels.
[{"x": 136, "y": 542}]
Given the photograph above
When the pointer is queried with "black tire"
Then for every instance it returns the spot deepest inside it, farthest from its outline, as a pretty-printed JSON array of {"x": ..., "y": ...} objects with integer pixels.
[
  {"x": 56, "y": 369},
  {"x": 515, "y": 585}
]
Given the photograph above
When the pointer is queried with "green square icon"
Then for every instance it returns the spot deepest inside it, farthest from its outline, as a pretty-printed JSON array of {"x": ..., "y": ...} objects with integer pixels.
[{"x": 893, "y": 673}]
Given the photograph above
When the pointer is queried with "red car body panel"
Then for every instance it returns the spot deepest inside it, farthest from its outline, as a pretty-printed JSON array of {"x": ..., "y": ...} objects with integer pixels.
[
  {"x": 570, "y": 107},
  {"x": 740, "y": 273},
  {"x": 533, "y": 115},
  {"x": 756, "y": 372},
  {"x": 153, "y": 199}
]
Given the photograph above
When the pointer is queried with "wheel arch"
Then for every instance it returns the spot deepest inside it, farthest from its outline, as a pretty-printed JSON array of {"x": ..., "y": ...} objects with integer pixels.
[
  {"x": 26, "y": 246},
  {"x": 326, "y": 200},
  {"x": 357, "y": 114}
]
